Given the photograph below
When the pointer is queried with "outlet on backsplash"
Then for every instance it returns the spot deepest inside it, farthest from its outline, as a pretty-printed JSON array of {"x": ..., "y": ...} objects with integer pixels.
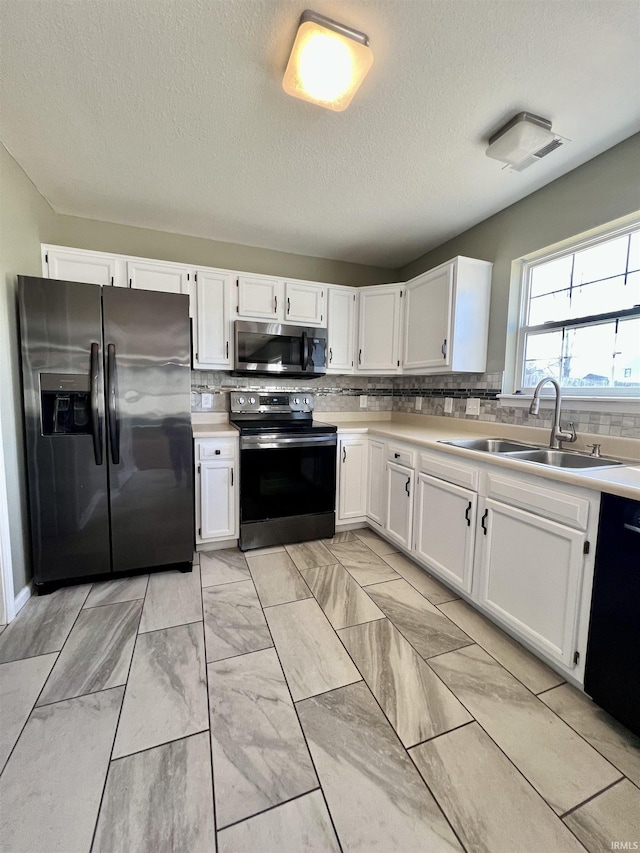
[
  {"x": 363, "y": 401},
  {"x": 418, "y": 404},
  {"x": 448, "y": 405},
  {"x": 473, "y": 406},
  {"x": 207, "y": 401}
]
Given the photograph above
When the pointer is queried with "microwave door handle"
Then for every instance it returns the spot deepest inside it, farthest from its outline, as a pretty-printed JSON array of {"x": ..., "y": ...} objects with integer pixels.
[{"x": 305, "y": 350}]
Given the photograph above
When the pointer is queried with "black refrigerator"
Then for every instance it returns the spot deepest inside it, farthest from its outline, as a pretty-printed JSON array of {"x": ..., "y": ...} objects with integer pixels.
[{"x": 108, "y": 440}]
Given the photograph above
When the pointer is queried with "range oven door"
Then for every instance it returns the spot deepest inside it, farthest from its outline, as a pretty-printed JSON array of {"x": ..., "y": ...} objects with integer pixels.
[
  {"x": 287, "y": 488},
  {"x": 270, "y": 348}
]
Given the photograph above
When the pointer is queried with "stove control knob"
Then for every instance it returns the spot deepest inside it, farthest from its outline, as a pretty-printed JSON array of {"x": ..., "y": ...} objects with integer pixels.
[
  {"x": 306, "y": 401},
  {"x": 296, "y": 400},
  {"x": 252, "y": 400},
  {"x": 241, "y": 400}
]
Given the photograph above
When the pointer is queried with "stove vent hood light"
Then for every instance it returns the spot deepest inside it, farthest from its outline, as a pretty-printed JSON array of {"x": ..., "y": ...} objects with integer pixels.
[{"x": 523, "y": 141}]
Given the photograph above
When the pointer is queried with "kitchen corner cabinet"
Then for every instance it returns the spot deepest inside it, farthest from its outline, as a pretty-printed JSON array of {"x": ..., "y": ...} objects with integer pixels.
[
  {"x": 352, "y": 477},
  {"x": 217, "y": 489},
  {"x": 341, "y": 329},
  {"x": 446, "y": 318},
  {"x": 213, "y": 342},
  {"x": 379, "y": 329},
  {"x": 530, "y": 562},
  {"x": 78, "y": 265}
]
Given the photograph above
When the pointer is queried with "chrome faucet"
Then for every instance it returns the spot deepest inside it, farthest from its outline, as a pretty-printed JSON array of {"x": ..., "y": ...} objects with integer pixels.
[{"x": 558, "y": 435}]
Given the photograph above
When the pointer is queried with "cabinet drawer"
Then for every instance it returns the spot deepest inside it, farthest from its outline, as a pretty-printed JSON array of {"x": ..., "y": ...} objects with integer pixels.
[
  {"x": 401, "y": 455},
  {"x": 214, "y": 448},
  {"x": 550, "y": 503},
  {"x": 442, "y": 466}
]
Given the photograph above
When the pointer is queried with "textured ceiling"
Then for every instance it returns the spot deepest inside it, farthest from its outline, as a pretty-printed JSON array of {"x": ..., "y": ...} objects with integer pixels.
[{"x": 171, "y": 115}]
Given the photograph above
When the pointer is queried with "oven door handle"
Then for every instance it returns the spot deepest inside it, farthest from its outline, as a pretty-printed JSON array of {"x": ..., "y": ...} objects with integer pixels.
[{"x": 268, "y": 442}]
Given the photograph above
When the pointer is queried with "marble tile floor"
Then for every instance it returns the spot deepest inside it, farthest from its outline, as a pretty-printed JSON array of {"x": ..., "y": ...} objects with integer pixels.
[{"x": 331, "y": 696}]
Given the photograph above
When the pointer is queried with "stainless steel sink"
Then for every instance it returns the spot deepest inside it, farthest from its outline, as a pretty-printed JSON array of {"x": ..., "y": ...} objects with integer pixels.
[
  {"x": 563, "y": 459},
  {"x": 489, "y": 445}
]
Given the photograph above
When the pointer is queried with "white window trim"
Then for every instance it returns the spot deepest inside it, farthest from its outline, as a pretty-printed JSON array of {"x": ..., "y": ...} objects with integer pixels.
[{"x": 608, "y": 400}]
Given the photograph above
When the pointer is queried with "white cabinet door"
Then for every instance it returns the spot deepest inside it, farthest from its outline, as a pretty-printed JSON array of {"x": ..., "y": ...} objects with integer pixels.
[
  {"x": 166, "y": 278},
  {"x": 341, "y": 314},
  {"x": 379, "y": 329},
  {"x": 447, "y": 318},
  {"x": 376, "y": 491},
  {"x": 352, "y": 478},
  {"x": 217, "y": 489},
  {"x": 89, "y": 267},
  {"x": 428, "y": 320},
  {"x": 530, "y": 576},
  {"x": 305, "y": 303},
  {"x": 260, "y": 298},
  {"x": 212, "y": 344},
  {"x": 445, "y": 529},
  {"x": 400, "y": 503}
]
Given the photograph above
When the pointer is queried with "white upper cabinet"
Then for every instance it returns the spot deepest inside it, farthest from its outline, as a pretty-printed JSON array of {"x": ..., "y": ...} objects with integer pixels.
[
  {"x": 379, "y": 329},
  {"x": 212, "y": 345},
  {"x": 163, "y": 277},
  {"x": 341, "y": 329},
  {"x": 447, "y": 317},
  {"x": 77, "y": 265},
  {"x": 260, "y": 298},
  {"x": 305, "y": 303}
]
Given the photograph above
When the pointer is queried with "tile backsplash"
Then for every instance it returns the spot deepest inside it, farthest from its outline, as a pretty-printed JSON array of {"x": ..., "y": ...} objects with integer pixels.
[{"x": 398, "y": 394}]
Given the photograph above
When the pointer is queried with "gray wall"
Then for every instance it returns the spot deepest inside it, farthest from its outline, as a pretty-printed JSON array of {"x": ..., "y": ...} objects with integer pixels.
[
  {"x": 25, "y": 221},
  {"x": 127, "y": 240},
  {"x": 600, "y": 191}
]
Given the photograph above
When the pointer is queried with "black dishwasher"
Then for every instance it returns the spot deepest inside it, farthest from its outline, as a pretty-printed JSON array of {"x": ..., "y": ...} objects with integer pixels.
[{"x": 612, "y": 673}]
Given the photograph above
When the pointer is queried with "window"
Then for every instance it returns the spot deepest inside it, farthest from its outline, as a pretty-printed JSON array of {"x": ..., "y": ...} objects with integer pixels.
[{"x": 581, "y": 317}]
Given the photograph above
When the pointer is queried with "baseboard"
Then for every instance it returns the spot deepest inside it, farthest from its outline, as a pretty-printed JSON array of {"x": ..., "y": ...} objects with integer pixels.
[
  {"x": 216, "y": 546},
  {"x": 21, "y": 598}
]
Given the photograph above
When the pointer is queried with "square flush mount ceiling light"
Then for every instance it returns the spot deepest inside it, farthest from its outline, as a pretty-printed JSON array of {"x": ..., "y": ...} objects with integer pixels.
[
  {"x": 328, "y": 62},
  {"x": 523, "y": 140}
]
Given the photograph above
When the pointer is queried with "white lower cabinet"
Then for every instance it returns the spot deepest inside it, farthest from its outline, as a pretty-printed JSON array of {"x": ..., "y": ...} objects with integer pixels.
[
  {"x": 530, "y": 575},
  {"x": 400, "y": 482},
  {"x": 444, "y": 519},
  {"x": 217, "y": 490},
  {"x": 352, "y": 477},
  {"x": 376, "y": 491}
]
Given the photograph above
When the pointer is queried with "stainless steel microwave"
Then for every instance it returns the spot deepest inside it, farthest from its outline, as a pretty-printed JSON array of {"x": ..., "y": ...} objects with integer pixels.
[{"x": 270, "y": 348}]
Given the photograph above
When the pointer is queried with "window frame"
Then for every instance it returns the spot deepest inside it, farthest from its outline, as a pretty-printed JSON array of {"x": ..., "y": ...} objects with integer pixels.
[{"x": 524, "y": 266}]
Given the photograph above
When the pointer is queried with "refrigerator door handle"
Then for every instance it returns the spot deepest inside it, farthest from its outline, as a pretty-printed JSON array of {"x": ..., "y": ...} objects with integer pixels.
[
  {"x": 96, "y": 426},
  {"x": 112, "y": 405}
]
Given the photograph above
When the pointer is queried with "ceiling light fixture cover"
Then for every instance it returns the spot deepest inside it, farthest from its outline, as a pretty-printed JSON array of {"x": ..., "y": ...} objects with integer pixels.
[
  {"x": 328, "y": 62},
  {"x": 523, "y": 140}
]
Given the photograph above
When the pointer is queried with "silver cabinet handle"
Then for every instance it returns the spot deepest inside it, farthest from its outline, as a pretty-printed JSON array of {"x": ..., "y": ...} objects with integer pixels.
[
  {"x": 443, "y": 348},
  {"x": 288, "y": 306},
  {"x": 344, "y": 454},
  {"x": 360, "y": 357},
  {"x": 231, "y": 476},
  {"x": 330, "y": 355},
  {"x": 275, "y": 301},
  {"x": 227, "y": 349}
]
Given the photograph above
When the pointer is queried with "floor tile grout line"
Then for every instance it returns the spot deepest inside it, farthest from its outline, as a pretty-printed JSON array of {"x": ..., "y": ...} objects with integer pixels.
[
  {"x": 304, "y": 736},
  {"x": 426, "y": 660},
  {"x": 58, "y": 653},
  {"x": 117, "y": 726},
  {"x": 225, "y": 583},
  {"x": 570, "y": 811},
  {"x": 269, "y": 809},
  {"x": 442, "y": 734},
  {"x": 397, "y": 736},
  {"x": 206, "y": 687},
  {"x": 168, "y": 627}
]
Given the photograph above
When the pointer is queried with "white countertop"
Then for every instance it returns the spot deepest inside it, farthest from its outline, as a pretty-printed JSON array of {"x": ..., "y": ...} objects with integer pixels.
[
  {"x": 427, "y": 431},
  {"x": 622, "y": 480}
]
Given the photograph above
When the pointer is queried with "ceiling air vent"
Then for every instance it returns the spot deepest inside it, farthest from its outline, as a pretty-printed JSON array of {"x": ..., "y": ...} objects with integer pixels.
[{"x": 524, "y": 140}]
